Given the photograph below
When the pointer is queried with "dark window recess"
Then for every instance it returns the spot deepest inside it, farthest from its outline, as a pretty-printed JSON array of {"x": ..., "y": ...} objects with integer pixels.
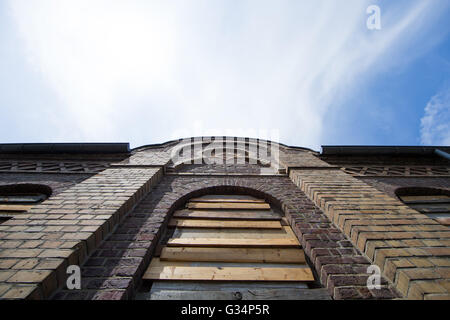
[{"x": 22, "y": 198}]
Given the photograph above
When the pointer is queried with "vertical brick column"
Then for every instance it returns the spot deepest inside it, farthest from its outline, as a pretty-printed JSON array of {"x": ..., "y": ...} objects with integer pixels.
[
  {"x": 36, "y": 247},
  {"x": 411, "y": 249}
]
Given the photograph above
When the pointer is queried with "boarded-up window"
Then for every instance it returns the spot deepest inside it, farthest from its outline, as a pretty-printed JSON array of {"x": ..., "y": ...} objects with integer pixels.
[
  {"x": 15, "y": 199},
  {"x": 230, "y": 247}
]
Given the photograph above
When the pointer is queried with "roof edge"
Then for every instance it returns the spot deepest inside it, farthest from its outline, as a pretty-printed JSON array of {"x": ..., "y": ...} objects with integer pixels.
[
  {"x": 382, "y": 150},
  {"x": 58, "y": 148},
  {"x": 174, "y": 142}
]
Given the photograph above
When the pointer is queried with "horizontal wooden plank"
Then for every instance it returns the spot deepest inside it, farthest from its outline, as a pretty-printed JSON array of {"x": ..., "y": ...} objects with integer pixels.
[
  {"x": 426, "y": 199},
  {"x": 231, "y": 243},
  {"x": 228, "y": 205},
  {"x": 431, "y": 208},
  {"x": 161, "y": 270},
  {"x": 268, "y": 255},
  {"x": 244, "y": 294},
  {"x": 227, "y": 198},
  {"x": 222, "y": 264},
  {"x": 232, "y": 233},
  {"x": 443, "y": 220},
  {"x": 198, "y": 223},
  {"x": 14, "y": 207},
  {"x": 227, "y": 214},
  {"x": 225, "y": 285}
]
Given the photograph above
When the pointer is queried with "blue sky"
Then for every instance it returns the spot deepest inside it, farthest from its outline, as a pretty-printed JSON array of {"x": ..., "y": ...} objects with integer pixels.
[{"x": 306, "y": 73}]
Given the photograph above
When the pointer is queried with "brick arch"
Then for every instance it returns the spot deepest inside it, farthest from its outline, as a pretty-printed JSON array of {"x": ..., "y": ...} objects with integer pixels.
[
  {"x": 270, "y": 197},
  {"x": 26, "y": 188},
  {"x": 115, "y": 268}
]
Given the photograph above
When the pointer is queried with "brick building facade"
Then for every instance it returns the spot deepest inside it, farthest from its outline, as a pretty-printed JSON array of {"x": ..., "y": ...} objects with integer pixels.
[{"x": 108, "y": 208}]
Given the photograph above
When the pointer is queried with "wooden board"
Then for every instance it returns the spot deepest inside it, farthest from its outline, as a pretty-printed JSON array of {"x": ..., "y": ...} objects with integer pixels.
[
  {"x": 244, "y": 294},
  {"x": 228, "y": 205},
  {"x": 222, "y": 264},
  {"x": 263, "y": 255},
  {"x": 226, "y": 198},
  {"x": 431, "y": 208},
  {"x": 426, "y": 199},
  {"x": 14, "y": 207},
  {"x": 161, "y": 270},
  {"x": 226, "y": 285},
  {"x": 227, "y": 214},
  {"x": 233, "y": 233},
  {"x": 444, "y": 221},
  {"x": 230, "y": 243},
  {"x": 207, "y": 290},
  {"x": 198, "y": 223}
]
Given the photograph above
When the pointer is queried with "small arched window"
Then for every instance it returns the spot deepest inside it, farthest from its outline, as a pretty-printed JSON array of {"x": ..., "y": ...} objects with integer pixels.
[
  {"x": 21, "y": 197},
  {"x": 435, "y": 203}
]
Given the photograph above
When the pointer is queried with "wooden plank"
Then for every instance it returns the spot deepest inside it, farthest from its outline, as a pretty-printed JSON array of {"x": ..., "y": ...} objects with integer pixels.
[
  {"x": 222, "y": 264},
  {"x": 431, "y": 208},
  {"x": 233, "y": 233},
  {"x": 426, "y": 199},
  {"x": 14, "y": 207},
  {"x": 232, "y": 243},
  {"x": 228, "y": 205},
  {"x": 244, "y": 294},
  {"x": 227, "y": 214},
  {"x": 226, "y": 285},
  {"x": 161, "y": 270},
  {"x": 227, "y": 198},
  {"x": 198, "y": 223},
  {"x": 444, "y": 221},
  {"x": 268, "y": 255}
]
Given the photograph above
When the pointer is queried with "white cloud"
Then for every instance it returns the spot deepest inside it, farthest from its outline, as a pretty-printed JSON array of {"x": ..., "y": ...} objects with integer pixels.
[
  {"x": 435, "y": 124},
  {"x": 144, "y": 70}
]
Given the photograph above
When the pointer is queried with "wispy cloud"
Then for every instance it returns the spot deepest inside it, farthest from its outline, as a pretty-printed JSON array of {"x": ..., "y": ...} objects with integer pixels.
[
  {"x": 435, "y": 124},
  {"x": 145, "y": 71}
]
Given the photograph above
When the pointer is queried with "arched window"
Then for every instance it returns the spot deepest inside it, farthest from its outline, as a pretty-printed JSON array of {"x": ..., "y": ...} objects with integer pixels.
[
  {"x": 229, "y": 247},
  {"x": 18, "y": 198},
  {"x": 435, "y": 203}
]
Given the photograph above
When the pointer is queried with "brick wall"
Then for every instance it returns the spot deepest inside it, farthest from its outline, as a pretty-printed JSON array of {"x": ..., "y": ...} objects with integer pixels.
[
  {"x": 411, "y": 249},
  {"x": 36, "y": 247},
  {"x": 114, "y": 270},
  {"x": 57, "y": 182},
  {"x": 390, "y": 184}
]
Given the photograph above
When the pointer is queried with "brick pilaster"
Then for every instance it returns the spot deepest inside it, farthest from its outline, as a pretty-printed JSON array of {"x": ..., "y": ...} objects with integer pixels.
[
  {"x": 36, "y": 247},
  {"x": 411, "y": 249}
]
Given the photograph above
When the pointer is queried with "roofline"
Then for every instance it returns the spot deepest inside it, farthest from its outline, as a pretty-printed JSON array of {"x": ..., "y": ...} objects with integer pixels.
[
  {"x": 173, "y": 142},
  {"x": 59, "y": 148},
  {"x": 382, "y": 150}
]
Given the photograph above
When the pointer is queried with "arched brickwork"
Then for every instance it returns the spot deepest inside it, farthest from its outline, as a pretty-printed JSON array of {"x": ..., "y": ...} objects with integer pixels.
[{"x": 114, "y": 270}]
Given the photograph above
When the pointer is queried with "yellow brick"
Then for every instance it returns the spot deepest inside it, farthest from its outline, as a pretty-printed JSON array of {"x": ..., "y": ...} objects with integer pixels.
[
  {"x": 445, "y": 296},
  {"x": 431, "y": 286},
  {"x": 5, "y": 275},
  {"x": 4, "y": 288},
  {"x": 21, "y": 292},
  {"x": 421, "y": 262},
  {"x": 7, "y": 263}
]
